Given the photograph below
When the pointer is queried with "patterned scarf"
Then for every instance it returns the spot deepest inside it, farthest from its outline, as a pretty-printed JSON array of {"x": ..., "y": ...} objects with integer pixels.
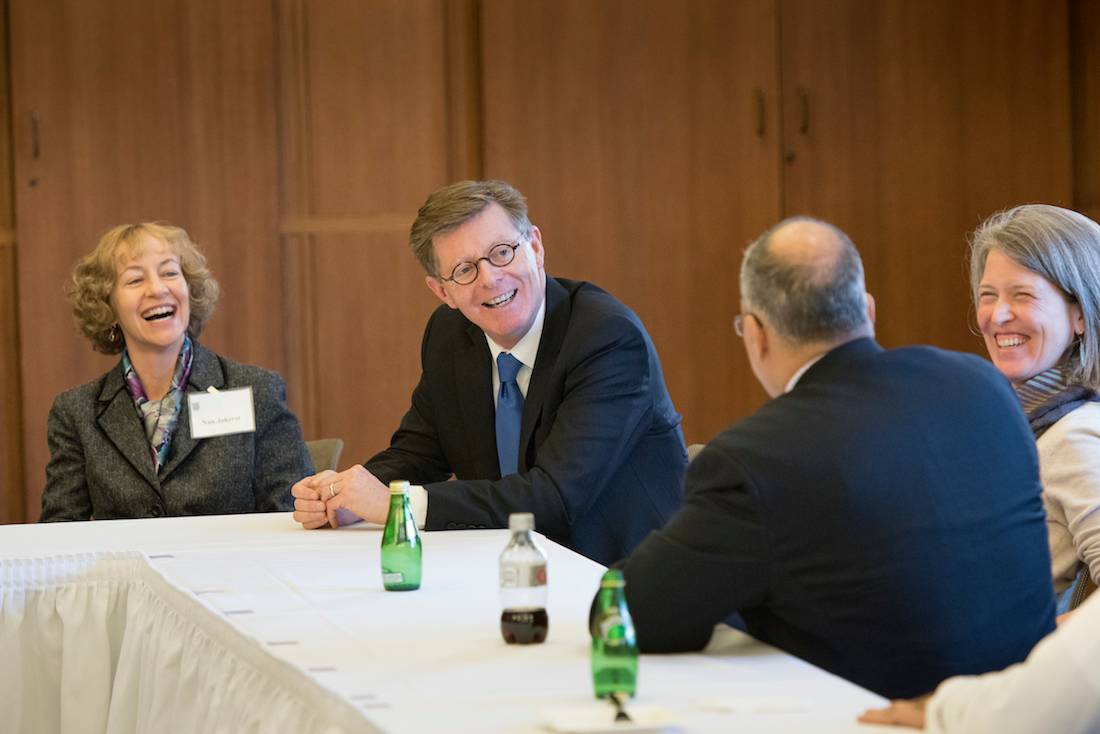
[
  {"x": 159, "y": 416},
  {"x": 1048, "y": 396}
]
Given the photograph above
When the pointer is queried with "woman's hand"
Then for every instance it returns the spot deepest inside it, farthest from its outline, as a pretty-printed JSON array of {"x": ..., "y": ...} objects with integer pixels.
[{"x": 899, "y": 713}]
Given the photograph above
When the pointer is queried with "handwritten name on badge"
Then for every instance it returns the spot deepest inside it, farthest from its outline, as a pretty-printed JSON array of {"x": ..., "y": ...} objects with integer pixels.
[{"x": 221, "y": 413}]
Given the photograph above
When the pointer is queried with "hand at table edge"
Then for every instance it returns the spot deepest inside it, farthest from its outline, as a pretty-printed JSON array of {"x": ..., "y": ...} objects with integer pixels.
[{"x": 908, "y": 712}]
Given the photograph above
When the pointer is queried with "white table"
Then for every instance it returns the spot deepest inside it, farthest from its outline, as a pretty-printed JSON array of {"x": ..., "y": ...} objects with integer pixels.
[{"x": 247, "y": 622}]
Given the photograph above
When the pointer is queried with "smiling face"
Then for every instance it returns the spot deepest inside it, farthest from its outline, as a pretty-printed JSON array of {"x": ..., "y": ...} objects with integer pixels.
[
  {"x": 502, "y": 302},
  {"x": 1028, "y": 323},
  {"x": 150, "y": 297}
]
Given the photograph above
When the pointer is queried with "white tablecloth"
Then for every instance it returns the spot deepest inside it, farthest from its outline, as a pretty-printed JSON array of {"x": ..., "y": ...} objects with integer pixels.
[{"x": 248, "y": 623}]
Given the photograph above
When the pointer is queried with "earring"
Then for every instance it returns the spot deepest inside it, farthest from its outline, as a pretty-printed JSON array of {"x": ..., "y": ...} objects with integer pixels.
[{"x": 115, "y": 336}]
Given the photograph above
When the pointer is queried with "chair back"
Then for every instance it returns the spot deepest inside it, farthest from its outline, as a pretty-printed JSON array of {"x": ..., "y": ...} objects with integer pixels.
[
  {"x": 1082, "y": 588},
  {"x": 325, "y": 453}
]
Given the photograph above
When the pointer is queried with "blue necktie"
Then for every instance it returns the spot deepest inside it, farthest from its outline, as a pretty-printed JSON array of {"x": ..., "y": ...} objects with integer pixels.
[{"x": 509, "y": 413}]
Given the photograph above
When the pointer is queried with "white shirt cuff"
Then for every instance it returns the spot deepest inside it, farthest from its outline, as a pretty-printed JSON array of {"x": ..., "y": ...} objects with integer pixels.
[{"x": 418, "y": 503}]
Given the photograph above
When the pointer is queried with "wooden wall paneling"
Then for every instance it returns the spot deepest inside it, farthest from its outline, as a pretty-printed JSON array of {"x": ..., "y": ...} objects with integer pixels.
[
  {"x": 292, "y": 51},
  {"x": 920, "y": 124},
  {"x": 372, "y": 306},
  {"x": 230, "y": 164},
  {"x": 733, "y": 196},
  {"x": 12, "y": 506},
  {"x": 11, "y": 428},
  {"x": 634, "y": 128},
  {"x": 12, "y": 503},
  {"x": 1085, "y": 61},
  {"x": 146, "y": 110},
  {"x": 461, "y": 35},
  {"x": 378, "y": 115}
]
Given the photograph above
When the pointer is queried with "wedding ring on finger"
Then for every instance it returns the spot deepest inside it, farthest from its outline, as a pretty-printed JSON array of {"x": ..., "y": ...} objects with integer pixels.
[{"x": 332, "y": 490}]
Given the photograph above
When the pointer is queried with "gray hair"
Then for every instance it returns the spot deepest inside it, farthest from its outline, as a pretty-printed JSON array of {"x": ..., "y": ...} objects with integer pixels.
[
  {"x": 1061, "y": 245},
  {"x": 805, "y": 302},
  {"x": 454, "y": 205}
]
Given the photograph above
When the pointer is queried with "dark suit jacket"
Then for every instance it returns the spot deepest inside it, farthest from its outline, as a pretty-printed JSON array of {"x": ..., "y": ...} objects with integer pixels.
[
  {"x": 101, "y": 465},
  {"x": 882, "y": 521},
  {"x": 601, "y": 450}
]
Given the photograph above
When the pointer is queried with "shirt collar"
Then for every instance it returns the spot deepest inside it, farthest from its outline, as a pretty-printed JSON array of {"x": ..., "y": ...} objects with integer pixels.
[
  {"x": 527, "y": 348},
  {"x": 801, "y": 371}
]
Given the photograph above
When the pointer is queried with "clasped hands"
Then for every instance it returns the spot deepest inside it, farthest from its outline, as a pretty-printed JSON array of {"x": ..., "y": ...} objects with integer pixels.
[{"x": 319, "y": 499}]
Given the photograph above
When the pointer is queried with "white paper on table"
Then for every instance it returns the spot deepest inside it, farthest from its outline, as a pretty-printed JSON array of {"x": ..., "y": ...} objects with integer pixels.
[{"x": 599, "y": 718}]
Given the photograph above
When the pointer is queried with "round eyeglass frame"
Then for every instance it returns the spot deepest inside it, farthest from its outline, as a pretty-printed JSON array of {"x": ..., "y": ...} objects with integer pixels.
[{"x": 500, "y": 255}]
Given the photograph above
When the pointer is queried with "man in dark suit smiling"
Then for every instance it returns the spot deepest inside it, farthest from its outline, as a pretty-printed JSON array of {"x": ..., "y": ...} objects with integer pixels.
[
  {"x": 538, "y": 394},
  {"x": 880, "y": 517}
]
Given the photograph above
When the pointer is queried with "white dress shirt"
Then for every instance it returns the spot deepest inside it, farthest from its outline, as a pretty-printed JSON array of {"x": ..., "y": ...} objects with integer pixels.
[
  {"x": 525, "y": 350},
  {"x": 801, "y": 371}
]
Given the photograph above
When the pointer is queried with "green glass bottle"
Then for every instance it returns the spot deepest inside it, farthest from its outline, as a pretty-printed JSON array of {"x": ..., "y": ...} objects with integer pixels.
[
  {"x": 400, "y": 543},
  {"x": 614, "y": 647}
]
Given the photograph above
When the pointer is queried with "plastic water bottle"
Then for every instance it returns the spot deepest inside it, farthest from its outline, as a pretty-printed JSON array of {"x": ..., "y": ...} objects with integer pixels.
[
  {"x": 523, "y": 585},
  {"x": 401, "y": 548}
]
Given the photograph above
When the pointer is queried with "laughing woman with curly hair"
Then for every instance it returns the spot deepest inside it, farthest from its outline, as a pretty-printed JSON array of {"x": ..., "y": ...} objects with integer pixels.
[{"x": 122, "y": 445}]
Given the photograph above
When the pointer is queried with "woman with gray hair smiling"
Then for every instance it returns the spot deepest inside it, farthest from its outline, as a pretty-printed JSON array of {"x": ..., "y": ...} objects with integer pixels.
[
  {"x": 1035, "y": 274},
  {"x": 132, "y": 442}
]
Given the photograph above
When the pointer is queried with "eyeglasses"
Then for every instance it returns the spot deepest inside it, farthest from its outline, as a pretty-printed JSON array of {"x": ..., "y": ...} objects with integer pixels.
[
  {"x": 739, "y": 322},
  {"x": 500, "y": 255}
]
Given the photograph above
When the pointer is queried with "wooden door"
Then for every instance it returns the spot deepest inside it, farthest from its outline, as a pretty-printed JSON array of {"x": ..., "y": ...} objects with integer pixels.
[
  {"x": 907, "y": 123},
  {"x": 11, "y": 422},
  {"x": 645, "y": 136},
  {"x": 1085, "y": 64},
  {"x": 136, "y": 110},
  {"x": 376, "y": 114}
]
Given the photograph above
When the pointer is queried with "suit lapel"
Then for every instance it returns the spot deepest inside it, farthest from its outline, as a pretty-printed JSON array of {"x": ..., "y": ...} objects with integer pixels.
[
  {"x": 554, "y": 326},
  {"x": 118, "y": 419},
  {"x": 474, "y": 389},
  {"x": 206, "y": 371}
]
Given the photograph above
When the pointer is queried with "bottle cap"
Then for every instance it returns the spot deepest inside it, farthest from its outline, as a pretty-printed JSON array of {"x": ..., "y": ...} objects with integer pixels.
[
  {"x": 399, "y": 486},
  {"x": 612, "y": 579},
  {"x": 521, "y": 521}
]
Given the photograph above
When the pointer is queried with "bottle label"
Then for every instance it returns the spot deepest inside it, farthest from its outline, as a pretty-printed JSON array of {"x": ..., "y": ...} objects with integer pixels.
[
  {"x": 393, "y": 578},
  {"x": 512, "y": 576},
  {"x": 612, "y": 630}
]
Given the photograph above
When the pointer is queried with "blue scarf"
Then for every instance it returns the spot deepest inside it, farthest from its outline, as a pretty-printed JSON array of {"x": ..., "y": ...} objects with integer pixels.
[{"x": 1048, "y": 397}]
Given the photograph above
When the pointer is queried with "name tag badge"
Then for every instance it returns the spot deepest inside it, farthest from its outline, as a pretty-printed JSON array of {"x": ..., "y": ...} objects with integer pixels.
[{"x": 221, "y": 413}]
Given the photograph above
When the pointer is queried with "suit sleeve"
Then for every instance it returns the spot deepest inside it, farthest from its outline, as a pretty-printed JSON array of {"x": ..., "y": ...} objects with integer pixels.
[
  {"x": 707, "y": 563},
  {"x": 605, "y": 408},
  {"x": 281, "y": 454},
  {"x": 414, "y": 452},
  {"x": 66, "y": 495}
]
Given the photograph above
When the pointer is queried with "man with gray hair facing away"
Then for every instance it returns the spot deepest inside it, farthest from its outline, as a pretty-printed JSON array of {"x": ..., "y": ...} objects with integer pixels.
[{"x": 879, "y": 518}]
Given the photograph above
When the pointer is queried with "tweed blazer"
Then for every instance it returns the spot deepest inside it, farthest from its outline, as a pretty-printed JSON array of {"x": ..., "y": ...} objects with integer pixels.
[{"x": 101, "y": 466}]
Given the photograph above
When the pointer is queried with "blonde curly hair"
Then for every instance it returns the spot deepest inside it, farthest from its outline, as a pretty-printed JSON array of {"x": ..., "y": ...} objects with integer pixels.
[{"x": 94, "y": 278}]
